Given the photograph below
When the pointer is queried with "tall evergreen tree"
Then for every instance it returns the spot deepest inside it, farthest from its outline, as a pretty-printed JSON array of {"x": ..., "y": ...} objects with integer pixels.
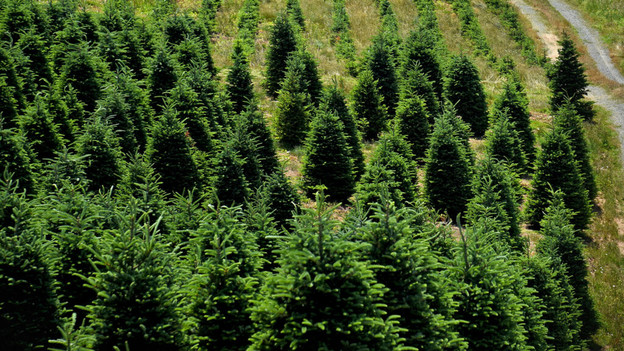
[
  {"x": 282, "y": 42},
  {"x": 81, "y": 72},
  {"x": 447, "y": 169},
  {"x": 169, "y": 151},
  {"x": 322, "y": 296},
  {"x": 503, "y": 143},
  {"x": 247, "y": 147},
  {"x": 417, "y": 51},
  {"x": 414, "y": 82},
  {"x": 462, "y": 87},
  {"x": 563, "y": 245},
  {"x": 513, "y": 100},
  {"x": 367, "y": 106},
  {"x": 115, "y": 107},
  {"x": 567, "y": 79},
  {"x": 556, "y": 168},
  {"x": 293, "y": 114},
  {"x": 311, "y": 81},
  {"x": 412, "y": 120},
  {"x": 239, "y": 84},
  {"x": 231, "y": 186},
  {"x": 326, "y": 161},
  {"x": 334, "y": 102},
  {"x": 570, "y": 122},
  {"x": 100, "y": 147},
  {"x": 41, "y": 133},
  {"x": 381, "y": 63},
  {"x": 192, "y": 113},
  {"x": 162, "y": 77},
  {"x": 282, "y": 199},
  {"x": 258, "y": 130}
]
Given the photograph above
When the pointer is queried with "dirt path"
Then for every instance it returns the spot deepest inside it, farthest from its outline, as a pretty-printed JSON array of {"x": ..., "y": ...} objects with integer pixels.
[{"x": 597, "y": 50}]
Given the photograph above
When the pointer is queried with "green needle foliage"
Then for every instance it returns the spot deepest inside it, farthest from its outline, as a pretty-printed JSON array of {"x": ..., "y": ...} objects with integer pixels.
[
  {"x": 293, "y": 114},
  {"x": 115, "y": 107},
  {"x": 327, "y": 161},
  {"x": 257, "y": 129},
  {"x": 381, "y": 63},
  {"x": 570, "y": 123},
  {"x": 412, "y": 120},
  {"x": 294, "y": 10},
  {"x": 40, "y": 131},
  {"x": 321, "y": 297},
  {"x": 410, "y": 270},
  {"x": 462, "y": 87},
  {"x": 8, "y": 105},
  {"x": 281, "y": 198},
  {"x": 565, "y": 247},
  {"x": 239, "y": 84},
  {"x": 15, "y": 159},
  {"x": 414, "y": 83},
  {"x": 334, "y": 102},
  {"x": 282, "y": 42},
  {"x": 161, "y": 78},
  {"x": 135, "y": 305},
  {"x": 193, "y": 114},
  {"x": 568, "y": 80},
  {"x": 100, "y": 148},
  {"x": 169, "y": 152},
  {"x": 231, "y": 186},
  {"x": 417, "y": 51},
  {"x": 503, "y": 143},
  {"x": 367, "y": 106},
  {"x": 513, "y": 101},
  {"x": 556, "y": 168},
  {"x": 447, "y": 169},
  {"x": 80, "y": 71},
  {"x": 28, "y": 307}
]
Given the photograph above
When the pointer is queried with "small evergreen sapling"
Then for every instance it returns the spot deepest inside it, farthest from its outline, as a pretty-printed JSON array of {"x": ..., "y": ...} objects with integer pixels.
[
  {"x": 381, "y": 63},
  {"x": 367, "y": 106},
  {"x": 293, "y": 109},
  {"x": 40, "y": 131},
  {"x": 502, "y": 143},
  {"x": 282, "y": 42},
  {"x": 230, "y": 184},
  {"x": 239, "y": 84},
  {"x": 326, "y": 161},
  {"x": 412, "y": 120}
]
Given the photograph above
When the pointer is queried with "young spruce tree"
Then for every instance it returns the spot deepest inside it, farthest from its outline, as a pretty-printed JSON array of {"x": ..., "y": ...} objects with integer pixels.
[
  {"x": 367, "y": 106},
  {"x": 282, "y": 42}
]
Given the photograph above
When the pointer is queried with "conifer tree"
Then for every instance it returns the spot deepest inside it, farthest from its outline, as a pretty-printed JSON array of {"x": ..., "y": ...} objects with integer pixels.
[
  {"x": 367, "y": 106},
  {"x": 100, "y": 147},
  {"x": 447, "y": 169},
  {"x": 570, "y": 122},
  {"x": 28, "y": 307},
  {"x": 8, "y": 105},
  {"x": 381, "y": 63},
  {"x": 413, "y": 83},
  {"x": 416, "y": 50},
  {"x": 293, "y": 114},
  {"x": 169, "y": 151},
  {"x": 334, "y": 102},
  {"x": 32, "y": 47},
  {"x": 567, "y": 79},
  {"x": 114, "y": 107},
  {"x": 282, "y": 42},
  {"x": 140, "y": 114},
  {"x": 257, "y": 129},
  {"x": 40, "y": 132},
  {"x": 282, "y": 199},
  {"x": 556, "y": 168},
  {"x": 80, "y": 71},
  {"x": 412, "y": 120},
  {"x": 410, "y": 270},
  {"x": 247, "y": 147},
  {"x": 294, "y": 10},
  {"x": 485, "y": 281},
  {"x": 513, "y": 100},
  {"x": 302, "y": 59},
  {"x": 162, "y": 77},
  {"x": 7, "y": 71},
  {"x": 503, "y": 143},
  {"x": 462, "y": 87},
  {"x": 326, "y": 161},
  {"x": 322, "y": 296},
  {"x": 239, "y": 84},
  {"x": 564, "y": 246},
  {"x": 15, "y": 160},
  {"x": 192, "y": 114},
  {"x": 231, "y": 186},
  {"x": 135, "y": 305}
]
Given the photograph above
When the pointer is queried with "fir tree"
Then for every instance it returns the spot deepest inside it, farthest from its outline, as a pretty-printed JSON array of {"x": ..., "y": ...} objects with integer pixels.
[
  {"x": 416, "y": 51},
  {"x": 294, "y": 10},
  {"x": 334, "y": 102},
  {"x": 367, "y": 106},
  {"x": 258, "y": 130},
  {"x": 169, "y": 151},
  {"x": 41, "y": 133},
  {"x": 28, "y": 308},
  {"x": 231, "y": 185},
  {"x": 503, "y": 143},
  {"x": 556, "y": 168},
  {"x": 326, "y": 161},
  {"x": 8, "y": 105},
  {"x": 100, "y": 147},
  {"x": 140, "y": 114},
  {"x": 33, "y": 47},
  {"x": 570, "y": 123},
  {"x": 162, "y": 77},
  {"x": 567, "y": 79},
  {"x": 15, "y": 160},
  {"x": 247, "y": 146},
  {"x": 293, "y": 114},
  {"x": 322, "y": 297},
  {"x": 303, "y": 60},
  {"x": 414, "y": 82},
  {"x": 192, "y": 114},
  {"x": 239, "y": 84},
  {"x": 380, "y": 63},
  {"x": 282, "y": 42},
  {"x": 80, "y": 71},
  {"x": 563, "y": 245},
  {"x": 514, "y": 102},
  {"x": 410, "y": 270},
  {"x": 447, "y": 170},
  {"x": 282, "y": 199},
  {"x": 462, "y": 87},
  {"x": 412, "y": 120},
  {"x": 7, "y": 71},
  {"x": 135, "y": 306},
  {"x": 114, "y": 107}
]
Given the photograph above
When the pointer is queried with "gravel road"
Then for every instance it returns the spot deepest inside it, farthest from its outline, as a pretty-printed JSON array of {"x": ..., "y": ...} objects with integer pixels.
[{"x": 597, "y": 50}]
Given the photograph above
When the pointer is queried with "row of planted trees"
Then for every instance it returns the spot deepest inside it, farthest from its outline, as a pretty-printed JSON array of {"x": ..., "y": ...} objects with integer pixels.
[{"x": 143, "y": 204}]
